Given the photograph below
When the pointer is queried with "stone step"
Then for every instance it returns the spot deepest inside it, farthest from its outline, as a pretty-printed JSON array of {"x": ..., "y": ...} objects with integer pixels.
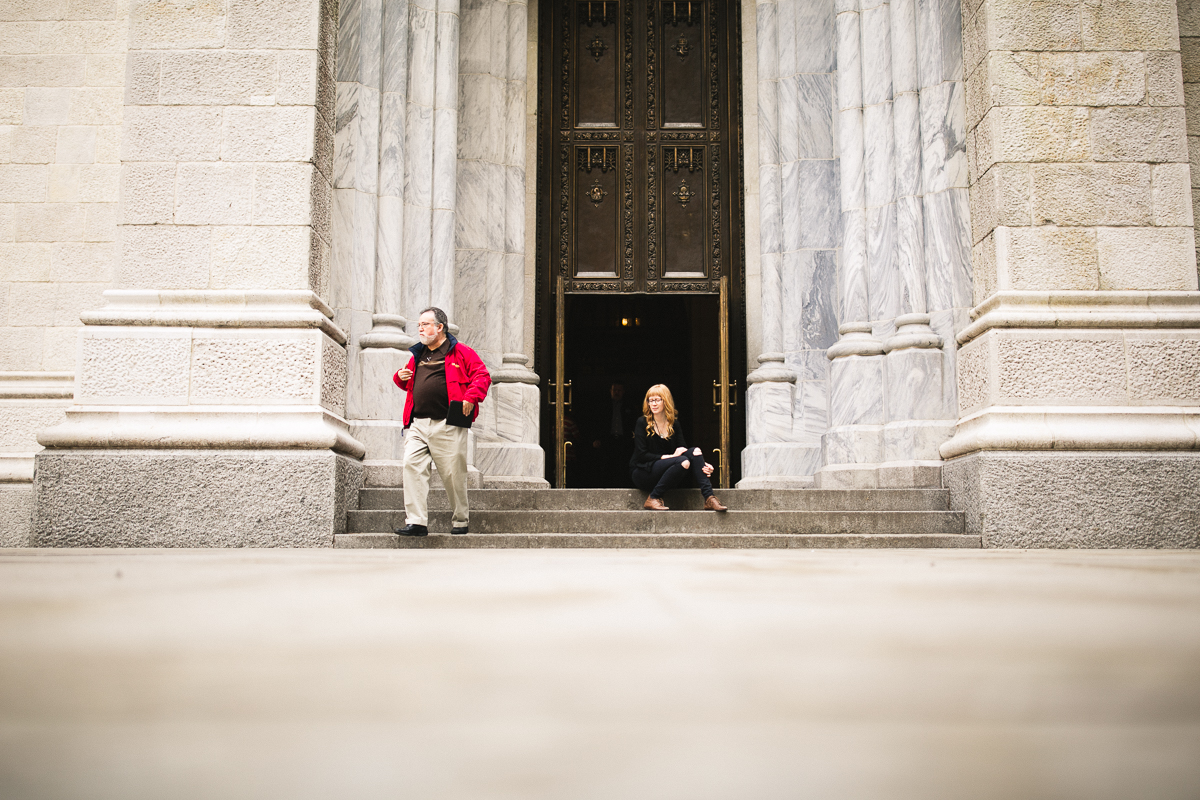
[
  {"x": 381, "y": 499},
  {"x": 684, "y": 522},
  {"x": 657, "y": 540}
]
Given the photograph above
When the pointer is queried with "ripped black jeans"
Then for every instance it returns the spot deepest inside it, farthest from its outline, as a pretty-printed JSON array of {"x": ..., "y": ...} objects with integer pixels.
[{"x": 667, "y": 473}]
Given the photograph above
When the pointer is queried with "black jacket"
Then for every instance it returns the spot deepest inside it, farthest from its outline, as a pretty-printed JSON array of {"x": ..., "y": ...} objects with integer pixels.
[{"x": 650, "y": 447}]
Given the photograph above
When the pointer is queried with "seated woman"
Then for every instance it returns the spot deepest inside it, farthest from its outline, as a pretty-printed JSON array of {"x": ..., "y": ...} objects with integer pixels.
[{"x": 660, "y": 456}]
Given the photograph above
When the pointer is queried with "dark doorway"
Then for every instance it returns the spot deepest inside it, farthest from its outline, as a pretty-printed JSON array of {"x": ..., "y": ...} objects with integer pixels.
[{"x": 633, "y": 342}]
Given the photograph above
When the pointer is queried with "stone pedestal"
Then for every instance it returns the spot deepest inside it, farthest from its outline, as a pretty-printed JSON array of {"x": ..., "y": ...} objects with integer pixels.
[
  {"x": 202, "y": 418},
  {"x": 773, "y": 459},
  {"x": 506, "y": 435},
  {"x": 1080, "y": 420}
]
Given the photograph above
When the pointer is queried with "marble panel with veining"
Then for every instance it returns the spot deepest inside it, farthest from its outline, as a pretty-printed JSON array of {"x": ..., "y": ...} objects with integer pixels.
[
  {"x": 475, "y": 38},
  {"x": 856, "y": 390},
  {"x": 852, "y": 184},
  {"x": 445, "y": 158},
  {"x": 392, "y": 144},
  {"x": 768, "y": 122},
  {"x": 876, "y": 55},
  {"x": 790, "y": 190},
  {"x": 852, "y": 275},
  {"x": 389, "y": 257},
  {"x": 882, "y": 280},
  {"x": 418, "y": 162},
  {"x": 910, "y": 255},
  {"x": 766, "y": 24},
  {"x": 770, "y": 317},
  {"x": 791, "y": 289},
  {"x": 393, "y": 76},
  {"x": 514, "y": 123},
  {"x": 904, "y": 47},
  {"x": 780, "y": 460},
  {"x": 422, "y": 42},
  {"x": 346, "y": 132},
  {"x": 947, "y": 250},
  {"x": 769, "y": 406},
  {"x": 471, "y": 312},
  {"x": 446, "y": 64},
  {"x": 812, "y": 412},
  {"x": 418, "y": 228},
  {"x": 943, "y": 137},
  {"x": 815, "y": 36},
  {"x": 785, "y": 37},
  {"x": 349, "y": 43},
  {"x": 518, "y": 34},
  {"x": 818, "y": 300},
  {"x": 906, "y": 127},
  {"x": 914, "y": 384},
  {"x": 814, "y": 100},
  {"x": 849, "y": 61},
  {"x": 514, "y": 209},
  {"x": 818, "y": 200},
  {"x": 513, "y": 338},
  {"x": 878, "y": 150},
  {"x": 370, "y": 42},
  {"x": 789, "y": 119},
  {"x": 366, "y": 150},
  {"x": 770, "y": 217},
  {"x": 441, "y": 261}
]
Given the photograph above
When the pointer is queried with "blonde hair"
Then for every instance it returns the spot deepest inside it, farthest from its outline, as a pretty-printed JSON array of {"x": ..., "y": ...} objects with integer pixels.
[{"x": 660, "y": 390}]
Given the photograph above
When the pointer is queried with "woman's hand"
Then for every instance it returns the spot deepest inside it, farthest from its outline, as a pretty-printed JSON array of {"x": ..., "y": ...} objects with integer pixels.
[
  {"x": 708, "y": 469},
  {"x": 679, "y": 451}
]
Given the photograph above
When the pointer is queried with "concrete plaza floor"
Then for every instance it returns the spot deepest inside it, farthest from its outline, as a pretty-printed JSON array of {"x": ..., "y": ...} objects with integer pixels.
[{"x": 597, "y": 675}]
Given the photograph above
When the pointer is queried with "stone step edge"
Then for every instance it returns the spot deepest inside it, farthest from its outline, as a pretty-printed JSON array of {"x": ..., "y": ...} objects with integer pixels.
[{"x": 658, "y": 541}]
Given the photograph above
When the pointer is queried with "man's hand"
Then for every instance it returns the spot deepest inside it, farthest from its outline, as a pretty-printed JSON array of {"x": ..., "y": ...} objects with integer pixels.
[
  {"x": 467, "y": 407},
  {"x": 404, "y": 374}
]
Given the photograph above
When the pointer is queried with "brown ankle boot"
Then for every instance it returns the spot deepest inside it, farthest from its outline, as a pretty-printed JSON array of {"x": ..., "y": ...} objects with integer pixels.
[
  {"x": 654, "y": 504},
  {"x": 711, "y": 503}
]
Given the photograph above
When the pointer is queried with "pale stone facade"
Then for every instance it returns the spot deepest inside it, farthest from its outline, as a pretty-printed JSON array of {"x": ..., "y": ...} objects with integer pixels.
[{"x": 970, "y": 257}]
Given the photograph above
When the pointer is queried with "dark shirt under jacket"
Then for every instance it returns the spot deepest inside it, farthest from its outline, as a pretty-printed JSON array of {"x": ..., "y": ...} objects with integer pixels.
[
  {"x": 430, "y": 399},
  {"x": 650, "y": 447}
]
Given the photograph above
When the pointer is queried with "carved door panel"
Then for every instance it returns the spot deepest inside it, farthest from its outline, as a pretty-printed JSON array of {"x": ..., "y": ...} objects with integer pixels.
[{"x": 640, "y": 174}]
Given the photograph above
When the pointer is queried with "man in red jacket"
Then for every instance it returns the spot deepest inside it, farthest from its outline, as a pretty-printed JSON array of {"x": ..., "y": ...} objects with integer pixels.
[{"x": 446, "y": 381}]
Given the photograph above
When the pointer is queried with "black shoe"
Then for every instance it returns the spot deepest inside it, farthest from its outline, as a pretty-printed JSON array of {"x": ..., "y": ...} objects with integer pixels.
[
  {"x": 461, "y": 530},
  {"x": 413, "y": 530}
]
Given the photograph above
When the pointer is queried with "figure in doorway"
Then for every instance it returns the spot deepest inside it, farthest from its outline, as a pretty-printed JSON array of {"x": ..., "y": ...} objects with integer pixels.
[
  {"x": 446, "y": 381},
  {"x": 660, "y": 456},
  {"x": 613, "y": 442}
]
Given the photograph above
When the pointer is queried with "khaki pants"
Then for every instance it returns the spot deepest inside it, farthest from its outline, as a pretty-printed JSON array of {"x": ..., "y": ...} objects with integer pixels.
[{"x": 446, "y": 446}]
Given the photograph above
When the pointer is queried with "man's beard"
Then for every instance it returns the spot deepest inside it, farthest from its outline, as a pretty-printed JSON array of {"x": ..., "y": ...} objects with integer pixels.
[{"x": 427, "y": 338}]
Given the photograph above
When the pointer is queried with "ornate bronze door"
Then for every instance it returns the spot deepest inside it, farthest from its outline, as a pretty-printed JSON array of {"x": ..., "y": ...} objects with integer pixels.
[{"x": 638, "y": 150}]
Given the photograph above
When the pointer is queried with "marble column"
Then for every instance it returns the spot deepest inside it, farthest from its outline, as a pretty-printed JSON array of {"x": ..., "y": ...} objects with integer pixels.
[
  {"x": 853, "y": 443},
  {"x": 917, "y": 422},
  {"x": 375, "y": 405},
  {"x": 772, "y": 457},
  {"x": 489, "y": 286}
]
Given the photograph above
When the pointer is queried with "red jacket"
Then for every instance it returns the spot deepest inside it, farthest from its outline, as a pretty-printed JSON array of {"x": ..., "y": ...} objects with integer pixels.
[{"x": 467, "y": 379}]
